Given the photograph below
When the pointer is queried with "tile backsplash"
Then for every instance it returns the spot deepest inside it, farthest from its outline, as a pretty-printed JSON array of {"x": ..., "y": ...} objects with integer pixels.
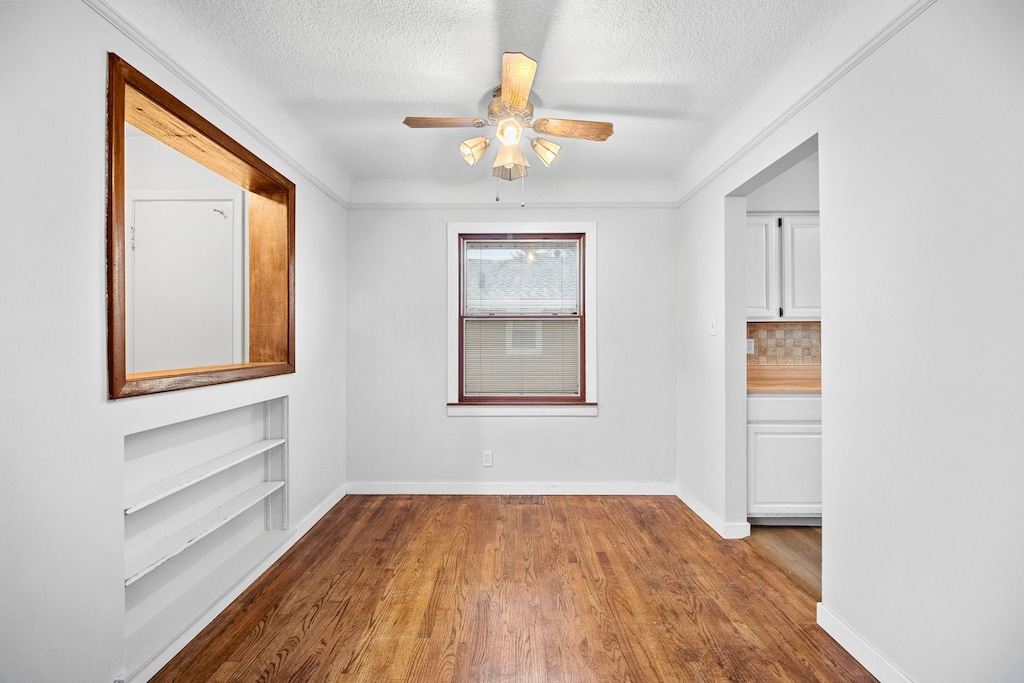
[{"x": 789, "y": 343}]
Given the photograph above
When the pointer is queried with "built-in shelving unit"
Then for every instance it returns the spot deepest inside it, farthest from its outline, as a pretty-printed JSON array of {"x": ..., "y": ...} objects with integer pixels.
[
  {"x": 206, "y": 501},
  {"x": 135, "y": 501},
  {"x": 142, "y": 563}
]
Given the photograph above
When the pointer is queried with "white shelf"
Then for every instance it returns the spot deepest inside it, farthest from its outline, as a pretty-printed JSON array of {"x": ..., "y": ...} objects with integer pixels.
[
  {"x": 149, "y": 559},
  {"x": 164, "y": 610},
  {"x": 135, "y": 501},
  {"x": 180, "y": 618}
]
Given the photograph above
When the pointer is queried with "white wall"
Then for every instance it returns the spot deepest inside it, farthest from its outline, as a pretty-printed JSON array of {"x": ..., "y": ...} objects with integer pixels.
[
  {"x": 400, "y": 438},
  {"x": 921, "y": 161},
  {"x": 793, "y": 190},
  {"x": 61, "y": 439}
]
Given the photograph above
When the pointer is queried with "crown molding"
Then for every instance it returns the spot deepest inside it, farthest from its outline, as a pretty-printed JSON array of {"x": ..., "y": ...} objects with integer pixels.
[
  {"x": 419, "y": 206},
  {"x": 132, "y": 33},
  {"x": 880, "y": 38}
]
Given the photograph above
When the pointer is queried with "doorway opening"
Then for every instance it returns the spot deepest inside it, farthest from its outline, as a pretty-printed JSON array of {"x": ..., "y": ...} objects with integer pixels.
[{"x": 773, "y": 261}]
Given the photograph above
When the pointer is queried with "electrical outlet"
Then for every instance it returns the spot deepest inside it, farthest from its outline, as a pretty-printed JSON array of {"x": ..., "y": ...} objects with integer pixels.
[
  {"x": 488, "y": 459},
  {"x": 713, "y": 326},
  {"x": 750, "y": 347}
]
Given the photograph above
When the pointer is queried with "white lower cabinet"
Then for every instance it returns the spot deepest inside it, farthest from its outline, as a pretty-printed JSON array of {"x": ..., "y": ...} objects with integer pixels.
[{"x": 784, "y": 457}]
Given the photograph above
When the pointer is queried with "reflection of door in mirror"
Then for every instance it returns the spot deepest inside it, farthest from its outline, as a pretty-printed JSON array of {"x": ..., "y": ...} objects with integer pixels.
[
  {"x": 185, "y": 264},
  {"x": 184, "y": 282}
]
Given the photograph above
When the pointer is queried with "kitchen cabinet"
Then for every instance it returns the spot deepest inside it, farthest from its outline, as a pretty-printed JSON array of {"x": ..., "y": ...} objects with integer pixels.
[
  {"x": 761, "y": 244},
  {"x": 784, "y": 456},
  {"x": 782, "y": 262}
]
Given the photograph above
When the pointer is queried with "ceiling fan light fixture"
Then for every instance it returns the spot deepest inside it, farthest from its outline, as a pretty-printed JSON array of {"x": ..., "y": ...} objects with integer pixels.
[
  {"x": 513, "y": 172},
  {"x": 510, "y": 129},
  {"x": 509, "y": 156},
  {"x": 545, "y": 149},
  {"x": 511, "y": 112},
  {"x": 474, "y": 148}
]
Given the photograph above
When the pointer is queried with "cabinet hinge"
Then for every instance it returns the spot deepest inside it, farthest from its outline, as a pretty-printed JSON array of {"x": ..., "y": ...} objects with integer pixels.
[{"x": 780, "y": 311}]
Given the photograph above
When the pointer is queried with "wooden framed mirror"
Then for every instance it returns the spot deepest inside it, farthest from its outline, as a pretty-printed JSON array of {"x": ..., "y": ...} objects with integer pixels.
[{"x": 172, "y": 279}]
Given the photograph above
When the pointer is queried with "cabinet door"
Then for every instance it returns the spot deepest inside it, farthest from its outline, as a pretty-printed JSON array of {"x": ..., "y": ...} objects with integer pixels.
[
  {"x": 761, "y": 290},
  {"x": 784, "y": 470},
  {"x": 801, "y": 268}
]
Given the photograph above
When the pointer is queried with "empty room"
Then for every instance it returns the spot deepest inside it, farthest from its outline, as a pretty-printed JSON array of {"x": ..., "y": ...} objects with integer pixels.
[{"x": 511, "y": 341}]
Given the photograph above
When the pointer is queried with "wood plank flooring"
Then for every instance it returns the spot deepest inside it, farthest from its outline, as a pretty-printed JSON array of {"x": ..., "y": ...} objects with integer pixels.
[
  {"x": 796, "y": 550},
  {"x": 497, "y": 588}
]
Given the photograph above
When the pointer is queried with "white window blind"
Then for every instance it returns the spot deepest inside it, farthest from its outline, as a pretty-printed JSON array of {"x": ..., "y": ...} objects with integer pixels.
[
  {"x": 521, "y": 307},
  {"x": 521, "y": 357}
]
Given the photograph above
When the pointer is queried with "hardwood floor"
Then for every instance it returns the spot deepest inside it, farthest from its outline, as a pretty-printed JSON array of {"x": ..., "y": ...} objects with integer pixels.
[
  {"x": 497, "y": 588},
  {"x": 796, "y": 550}
]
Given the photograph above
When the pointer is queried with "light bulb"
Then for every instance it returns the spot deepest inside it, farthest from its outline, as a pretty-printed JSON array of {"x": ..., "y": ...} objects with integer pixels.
[{"x": 509, "y": 130}]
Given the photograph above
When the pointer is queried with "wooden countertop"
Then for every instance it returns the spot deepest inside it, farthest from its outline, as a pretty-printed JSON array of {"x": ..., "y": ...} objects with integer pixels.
[{"x": 783, "y": 379}]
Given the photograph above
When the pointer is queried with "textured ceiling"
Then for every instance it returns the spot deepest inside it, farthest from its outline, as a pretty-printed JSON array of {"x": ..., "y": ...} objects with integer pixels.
[{"x": 667, "y": 73}]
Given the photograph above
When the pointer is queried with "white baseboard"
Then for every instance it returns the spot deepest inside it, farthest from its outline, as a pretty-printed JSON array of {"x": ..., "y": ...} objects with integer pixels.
[
  {"x": 720, "y": 526},
  {"x": 870, "y": 658},
  {"x": 510, "y": 488},
  {"x": 203, "y": 620}
]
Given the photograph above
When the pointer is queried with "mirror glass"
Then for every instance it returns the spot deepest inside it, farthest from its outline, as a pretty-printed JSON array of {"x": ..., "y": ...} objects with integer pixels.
[
  {"x": 186, "y": 271},
  {"x": 200, "y": 248}
]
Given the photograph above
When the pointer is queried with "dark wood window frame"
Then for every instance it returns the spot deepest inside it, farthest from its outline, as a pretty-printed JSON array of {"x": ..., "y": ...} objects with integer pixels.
[{"x": 580, "y": 316}]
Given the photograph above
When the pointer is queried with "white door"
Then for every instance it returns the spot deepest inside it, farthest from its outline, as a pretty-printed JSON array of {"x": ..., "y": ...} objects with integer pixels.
[
  {"x": 184, "y": 283},
  {"x": 801, "y": 268},
  {"x": 761, "y": 268}
]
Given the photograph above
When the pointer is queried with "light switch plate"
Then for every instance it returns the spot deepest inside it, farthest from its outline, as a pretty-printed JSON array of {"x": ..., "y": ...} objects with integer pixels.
[{"x": 750, "y": 347}]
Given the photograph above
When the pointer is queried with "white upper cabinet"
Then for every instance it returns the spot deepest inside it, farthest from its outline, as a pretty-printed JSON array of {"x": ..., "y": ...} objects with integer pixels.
[
  {"x": 761, "y": 292},
  {"x": 801, "y": 268},
  {"x": 783, "y": 267}
]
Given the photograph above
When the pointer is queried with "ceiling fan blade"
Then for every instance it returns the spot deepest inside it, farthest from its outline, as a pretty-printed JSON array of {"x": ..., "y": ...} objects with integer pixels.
[
  {"x": 434, "y": 122},
  {"x": 597, "y": 131},
  {"x": 517, "y": 72}
]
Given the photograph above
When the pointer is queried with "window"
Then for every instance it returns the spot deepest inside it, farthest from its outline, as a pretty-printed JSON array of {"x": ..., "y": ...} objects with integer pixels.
[{"x": 519, "y": 319}]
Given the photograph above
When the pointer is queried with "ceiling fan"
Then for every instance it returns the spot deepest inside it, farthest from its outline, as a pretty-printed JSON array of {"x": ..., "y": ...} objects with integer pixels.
[{"x": 512, "y": 113}]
